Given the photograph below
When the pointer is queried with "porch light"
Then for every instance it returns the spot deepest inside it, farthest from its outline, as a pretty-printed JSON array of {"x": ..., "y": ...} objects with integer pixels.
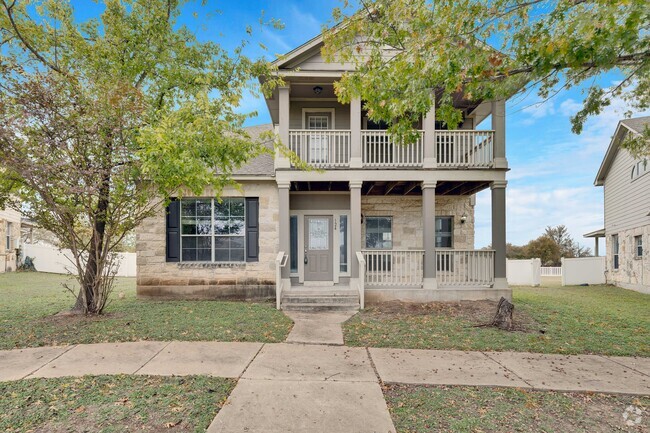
[
  {"x": 463, "y": 219},
  {"x": 318, "y": 90}
]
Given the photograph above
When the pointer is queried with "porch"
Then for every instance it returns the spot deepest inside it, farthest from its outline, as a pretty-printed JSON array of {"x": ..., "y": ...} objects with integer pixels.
[{"x": 388, "y": 240}]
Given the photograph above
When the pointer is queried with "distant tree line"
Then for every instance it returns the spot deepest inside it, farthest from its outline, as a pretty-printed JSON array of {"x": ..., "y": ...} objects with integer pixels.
[{"x": 550, "y": 247}]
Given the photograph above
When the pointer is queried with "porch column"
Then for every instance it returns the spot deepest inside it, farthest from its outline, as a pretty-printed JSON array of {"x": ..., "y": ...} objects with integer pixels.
[
  {"x": 282, "y": 161},
  {"x": 429, "y": 234},
  {"x": 355, "y": 226},
  {"x": 284, "y": 229},
  {"x": 596, "y": 246},
  {"x": 356, "y": 160},
  {"x": 429, "y": 126},
  {"x": 499, "y": 233},
  {"x": 499, "y": 127}
]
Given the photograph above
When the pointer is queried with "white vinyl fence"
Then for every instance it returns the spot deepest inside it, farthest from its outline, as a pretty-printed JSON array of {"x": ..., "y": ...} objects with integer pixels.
[
  {"x": 51, "y": 259},
  {"x": 585, "y": 270},
  {"x": 523, "y": 272}
]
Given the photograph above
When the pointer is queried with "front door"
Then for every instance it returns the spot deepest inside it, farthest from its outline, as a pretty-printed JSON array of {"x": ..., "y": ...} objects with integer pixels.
[{"x": 318, "y": 248}]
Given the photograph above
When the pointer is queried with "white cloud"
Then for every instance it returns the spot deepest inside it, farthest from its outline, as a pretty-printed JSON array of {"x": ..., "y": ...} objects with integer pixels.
[
  {"x": 538, "y": 110},
  {"x": 570, "y": 107}
]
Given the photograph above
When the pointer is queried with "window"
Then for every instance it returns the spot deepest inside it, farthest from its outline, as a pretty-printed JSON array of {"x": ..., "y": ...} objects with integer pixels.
[
  {"x": 640, "y": 168},
  {"x": 379, "y": 236},
  {"x": 343, "y": 243},
  {"x": 379, "y": 233},
  {"x": 8, "y": 234},
  {"x": 638, "y": 246},
  {"x": 444, "y": 232},
  {"x": 615, "y": 251},
  {"x": 293, "y": 244},
  {"x": 213, "y": 231}
]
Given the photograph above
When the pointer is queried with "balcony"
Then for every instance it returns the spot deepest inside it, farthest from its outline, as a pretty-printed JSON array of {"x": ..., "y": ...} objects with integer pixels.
[{"x": 332, "y": 149}]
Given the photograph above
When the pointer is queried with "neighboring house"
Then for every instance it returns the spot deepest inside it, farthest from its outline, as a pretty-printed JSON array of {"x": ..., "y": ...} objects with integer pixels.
[
  {"x": 9, "y": 239},
  {"x": 379, "y": 219},
  {"x": 626, "y": 185}
]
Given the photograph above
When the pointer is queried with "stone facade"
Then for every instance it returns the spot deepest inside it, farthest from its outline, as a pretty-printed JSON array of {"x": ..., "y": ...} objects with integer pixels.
[
  {"x": 8, "y": 258},
  {"x": 633, "y": 272},
  {"x": 157, "y": 278},
  {"x": 406, "y": 212}
]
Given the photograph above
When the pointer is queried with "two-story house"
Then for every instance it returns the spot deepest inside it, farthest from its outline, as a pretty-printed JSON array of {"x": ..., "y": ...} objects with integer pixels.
[
  {"x": 626, "y": 187},
  {"x": 378, "y": 220}
]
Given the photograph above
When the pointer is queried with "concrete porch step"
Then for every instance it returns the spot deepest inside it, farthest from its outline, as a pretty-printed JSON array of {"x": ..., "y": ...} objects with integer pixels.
[
  {"x": 320, "y": 299},
  {"x": 346, "y": 307}
]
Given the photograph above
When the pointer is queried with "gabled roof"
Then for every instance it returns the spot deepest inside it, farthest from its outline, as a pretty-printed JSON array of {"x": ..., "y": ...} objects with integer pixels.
[{"x": 634, "y": 126}]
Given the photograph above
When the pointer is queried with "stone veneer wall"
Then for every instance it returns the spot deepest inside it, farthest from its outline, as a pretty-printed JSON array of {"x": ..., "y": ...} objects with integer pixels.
[
  {"x": 407, "y": 218},
  {"x": 632, "y": 273},
  {"x": 159, "y": 279}
]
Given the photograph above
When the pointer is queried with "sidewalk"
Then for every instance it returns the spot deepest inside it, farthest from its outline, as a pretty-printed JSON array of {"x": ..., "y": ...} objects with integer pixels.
[{"x": 292, "y": 387}]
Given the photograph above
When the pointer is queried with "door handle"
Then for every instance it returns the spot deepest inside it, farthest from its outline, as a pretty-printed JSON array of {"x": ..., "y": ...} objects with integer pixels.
[{"x": 306, "y": 260}]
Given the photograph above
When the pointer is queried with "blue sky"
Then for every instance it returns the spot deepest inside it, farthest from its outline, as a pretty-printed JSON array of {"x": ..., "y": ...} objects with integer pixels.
[{"x": 552, "y": 169}]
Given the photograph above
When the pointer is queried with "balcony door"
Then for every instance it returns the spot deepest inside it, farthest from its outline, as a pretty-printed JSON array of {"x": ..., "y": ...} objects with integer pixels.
[
  {"x": 319, "y": 252},
  {"x": 319, "y": 149}
]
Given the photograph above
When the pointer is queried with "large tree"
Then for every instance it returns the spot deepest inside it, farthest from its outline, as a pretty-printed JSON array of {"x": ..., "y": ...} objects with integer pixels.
[
  {"x": 102, "y": 120},
  {"x": 405, "y": 50}
]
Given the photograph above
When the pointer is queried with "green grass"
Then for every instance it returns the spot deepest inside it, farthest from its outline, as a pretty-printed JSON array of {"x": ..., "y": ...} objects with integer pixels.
[
  {"x": 112, "y": 404},
  {"x": 29, "y": 302},
  {"x": 420, "y": 409},
  {"x": 574, "y": 320}
]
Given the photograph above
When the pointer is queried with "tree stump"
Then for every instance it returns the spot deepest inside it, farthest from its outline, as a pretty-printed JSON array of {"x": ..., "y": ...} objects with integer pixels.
[{"x": 503, "y": 317}]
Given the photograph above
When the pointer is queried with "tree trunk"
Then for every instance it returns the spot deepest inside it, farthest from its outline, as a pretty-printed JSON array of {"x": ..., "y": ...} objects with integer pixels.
[{"x": 503, "y": 317}]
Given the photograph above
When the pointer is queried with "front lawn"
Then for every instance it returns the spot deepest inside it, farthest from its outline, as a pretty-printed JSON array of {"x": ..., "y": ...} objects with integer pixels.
[
  {"x": 112, "y": 404},
  {"x": 568, "y": 320},
  {"x": 420, "y": 409},
  {"x": 29, "y": 303}
]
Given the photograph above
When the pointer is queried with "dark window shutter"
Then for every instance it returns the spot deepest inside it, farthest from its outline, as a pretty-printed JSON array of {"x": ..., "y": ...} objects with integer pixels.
[
  {"x": 173, "y": 250},
  {"x": 252, "y": 229}
]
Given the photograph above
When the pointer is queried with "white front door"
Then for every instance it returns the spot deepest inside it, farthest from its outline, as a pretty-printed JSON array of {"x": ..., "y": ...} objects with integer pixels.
[{"x": 318, "y": 142}]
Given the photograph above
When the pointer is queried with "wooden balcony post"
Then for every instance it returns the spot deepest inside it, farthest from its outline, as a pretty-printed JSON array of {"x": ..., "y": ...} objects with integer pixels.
[
  {"x": 499, "y": 233},
  {"x": 499, "y": 127},
  {"x": 429, "y": 234},
  {"x": 355, "y": 226},
  {"x": 429, "y": 126},
  {"x": 282, "y": 161},
  {"x": 356, "y": 160}
]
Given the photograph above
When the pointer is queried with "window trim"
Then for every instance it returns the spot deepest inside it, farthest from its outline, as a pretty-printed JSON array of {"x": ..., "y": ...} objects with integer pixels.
[
  {"x": 637, "y": 171},
  {"x": 331, "y": 111},
  {"x": 366, "y": 232},
  {"x": 8, "y": 237},
  {"x": 212, "y": 233},
  {"x": 451, "y": 233},
  {"x": 638, "y": 247},
  {"x": 615, "y": 252}
]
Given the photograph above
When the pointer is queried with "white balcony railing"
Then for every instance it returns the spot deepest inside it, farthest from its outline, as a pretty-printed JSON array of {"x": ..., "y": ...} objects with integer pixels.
[
  {"x": 461, "y": 148},
  {"x": 379, "y": 150},
  {"x": 398, "y": 268},
  {"x": 321, "y": 148},
  {"x": 464, "y": 268}
]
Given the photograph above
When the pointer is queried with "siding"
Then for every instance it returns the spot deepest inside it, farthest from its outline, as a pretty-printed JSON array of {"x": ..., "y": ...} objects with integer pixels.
[
  {"x": 627, "y": 202},
  {"x": 342, "y": 113}
]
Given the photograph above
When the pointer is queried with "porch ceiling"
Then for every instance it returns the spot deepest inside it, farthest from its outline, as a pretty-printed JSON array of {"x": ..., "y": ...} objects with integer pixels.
[{"x": 395, "y": 187}]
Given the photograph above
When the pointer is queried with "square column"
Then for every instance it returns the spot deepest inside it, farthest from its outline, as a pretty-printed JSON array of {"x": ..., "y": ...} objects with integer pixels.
[
  {"x": 356, "y": 157},
  {"x": 429, "y": 234},
  {"x": 284, "y": 228},
  {"x": 499, "y": 233},
  {"x": 281, "y": 160},
  {"x": 355, "y": 227},
  {"x": 429, "y": 125},
  {"x": 499, "y": 127}
]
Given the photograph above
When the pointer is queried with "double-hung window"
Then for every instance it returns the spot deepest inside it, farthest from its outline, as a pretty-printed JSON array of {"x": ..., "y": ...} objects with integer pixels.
[
  {"x": 213, "y": 230},
  {"x": 379, "y": 236},
  {"x": 9, "y": 243},
  {"x": 615, "y": 251},
  {"x": 638, "y": 246}
]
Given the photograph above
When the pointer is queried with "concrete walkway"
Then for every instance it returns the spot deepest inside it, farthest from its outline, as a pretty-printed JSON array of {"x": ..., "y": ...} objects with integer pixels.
[
  {"x": 304, "y": 387},
  {"x": 318, "y": 327}
]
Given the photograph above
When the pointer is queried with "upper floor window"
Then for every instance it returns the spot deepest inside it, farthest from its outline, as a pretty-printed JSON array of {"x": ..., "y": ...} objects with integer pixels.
[
  {"x": 638, "y": 246},
  {"x": 213, "y": 231},
  {"x": 615, "y": 251},
  {"x": 640, "y": 168}
]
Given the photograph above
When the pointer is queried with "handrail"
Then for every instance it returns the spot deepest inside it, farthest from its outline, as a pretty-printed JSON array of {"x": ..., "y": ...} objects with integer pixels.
[
  {"x": 280, "y": 262},
  {"x": 361, "y": 286}
]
